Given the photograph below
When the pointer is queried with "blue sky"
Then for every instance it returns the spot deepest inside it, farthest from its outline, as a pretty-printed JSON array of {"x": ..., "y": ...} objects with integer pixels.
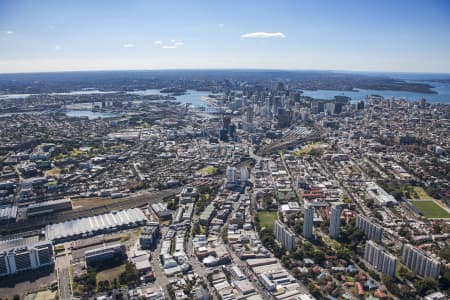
[{"x": 364, "y": 35}]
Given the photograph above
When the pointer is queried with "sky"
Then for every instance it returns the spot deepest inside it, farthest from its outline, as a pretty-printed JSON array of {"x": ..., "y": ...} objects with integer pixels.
[{"x": 353, "y": 35}]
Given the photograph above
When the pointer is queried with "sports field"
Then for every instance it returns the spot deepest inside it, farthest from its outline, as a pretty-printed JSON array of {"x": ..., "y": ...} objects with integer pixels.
[
  {"x": 430, "y": 209},
  {"x": 267, "y": 219}
]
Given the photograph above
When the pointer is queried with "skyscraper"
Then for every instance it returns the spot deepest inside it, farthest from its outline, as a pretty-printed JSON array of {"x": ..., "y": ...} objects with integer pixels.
[
  {"x": 231, "y": 174},
  {"x": 308, "y": 222},
  {"x": 250, "y": 113},
  {"x": 380, "y": 259},
  {"x": 244, "y": 174},
  {"x": 335, "y": 221}
]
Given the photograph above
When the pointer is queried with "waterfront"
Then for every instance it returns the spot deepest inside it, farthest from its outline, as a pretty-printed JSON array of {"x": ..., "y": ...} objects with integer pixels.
[
  {"x": 196, "y": 98},
  {"x": 193, "y": 97},
  {"x": 442, "y": 96},
  {"x": 91, "y": 115}
]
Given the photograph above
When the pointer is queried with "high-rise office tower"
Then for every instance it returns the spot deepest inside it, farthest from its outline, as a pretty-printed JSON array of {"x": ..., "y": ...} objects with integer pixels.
[
  {"x": 231, "y": 174},
  {"x": 335, "y": 221},
  {"x": 249, "y": 115},
  {"x": 308, "y": 222}
]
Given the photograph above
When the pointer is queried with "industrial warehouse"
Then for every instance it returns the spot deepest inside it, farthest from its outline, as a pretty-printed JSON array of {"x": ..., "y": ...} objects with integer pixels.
[
  {"x": 84, "y": 227},
  {"x": 47, "y": 207}
]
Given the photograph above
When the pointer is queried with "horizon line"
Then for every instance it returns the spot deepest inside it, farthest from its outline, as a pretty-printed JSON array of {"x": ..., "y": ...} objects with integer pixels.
[{"x": 227, "y": 69}]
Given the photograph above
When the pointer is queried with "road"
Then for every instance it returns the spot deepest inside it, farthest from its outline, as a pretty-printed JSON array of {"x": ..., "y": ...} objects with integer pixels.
[
  {"x": 250, "y": 275},
  {"x": 326, "y": 170},
  {"x": 62, "y": 271},
  {"x": 158, "y": 271},
  {"x": 293, "y": 181}
]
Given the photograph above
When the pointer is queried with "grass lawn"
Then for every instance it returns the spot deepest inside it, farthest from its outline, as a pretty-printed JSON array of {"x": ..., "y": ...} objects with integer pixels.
[
  {"x": 422, "y": 194},
  {"x": 307, "y": 149},
  {"x": 203, "y": 229},
  {"x": 397, "y": 270},
  {"x": 329, "y": 241},
  {"x": 45, "y": 295},
  {"x": 110, "y": 274},
  {"x": 430, "y": 209},
  {"x": 60, "y": 249},
  {"x": 267, "y": 219},
  {"x": 53, "y": 172},
  {"x": 207, "y": 171}
]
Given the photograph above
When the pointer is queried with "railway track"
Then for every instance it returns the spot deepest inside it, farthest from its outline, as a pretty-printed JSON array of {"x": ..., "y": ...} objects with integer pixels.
[{"x": 138, "y": 200}]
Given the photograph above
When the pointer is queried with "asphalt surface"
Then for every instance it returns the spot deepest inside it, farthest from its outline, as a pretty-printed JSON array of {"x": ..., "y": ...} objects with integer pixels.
[{"x": 62, "y": 272}]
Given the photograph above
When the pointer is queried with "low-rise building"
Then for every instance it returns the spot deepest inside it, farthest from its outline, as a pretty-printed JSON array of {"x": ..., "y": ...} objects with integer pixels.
[
  {"x": 207, "y": 215},
  {"x": 48, "y": 207},
  {"x": 160, "y": 209},
  {"x": 101, "y": 254}
]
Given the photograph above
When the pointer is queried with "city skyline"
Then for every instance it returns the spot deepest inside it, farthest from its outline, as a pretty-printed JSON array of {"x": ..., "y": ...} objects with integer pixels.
[{"x": 405, "y": 36}]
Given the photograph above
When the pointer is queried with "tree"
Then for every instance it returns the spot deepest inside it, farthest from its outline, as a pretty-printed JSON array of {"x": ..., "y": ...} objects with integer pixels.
[
  {"x": 298, "y": 227},
  {"x": 406, "y": 292},
  {"x": 343, "y": 252},
  {"x": 405, "y": 273},
  {"x": 286, "y": 261},
  {"x": 445, "y": 253},
  {"x": 374, "y": 275},
  {"x": 130, "y": 276},
  {"x": 196, "y": 228},
  {"x": 318, "y": 256},
  {"x": 445, "y": 280},
  {"x": 115, "y": 284},
  {"x": 103, "y": 286},
  {"x": 314, "y": 290},
  {"x": 390, "y": 284},
  {"x": 16, "y": 297},
  {"x": 225, "y": 234},
  {"x": 425, "y": 285},
  {"x": 172, "y": 204}
]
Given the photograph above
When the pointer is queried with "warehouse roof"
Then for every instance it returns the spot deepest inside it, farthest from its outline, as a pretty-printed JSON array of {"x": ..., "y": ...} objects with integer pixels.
[
  {"x": 94, "y": 224},
  {"x": 8, "y": 212},
  {"x": 19, "y": 242},
  {"x": 48, "y": 203}
]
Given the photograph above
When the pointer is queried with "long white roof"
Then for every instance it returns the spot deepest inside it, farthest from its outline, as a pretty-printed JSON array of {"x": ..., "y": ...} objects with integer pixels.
[{"x": 95, "y": 223}]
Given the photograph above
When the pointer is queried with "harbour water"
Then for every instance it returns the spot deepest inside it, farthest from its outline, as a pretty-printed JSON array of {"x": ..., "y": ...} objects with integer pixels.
[
  {"x": 190, "y": 97},
  {"x": 91, "y": 115},
  {"x": 194, "y": 97},
  {"x": 83, "y": 109},
  {"x": 442, "y": 96}
]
